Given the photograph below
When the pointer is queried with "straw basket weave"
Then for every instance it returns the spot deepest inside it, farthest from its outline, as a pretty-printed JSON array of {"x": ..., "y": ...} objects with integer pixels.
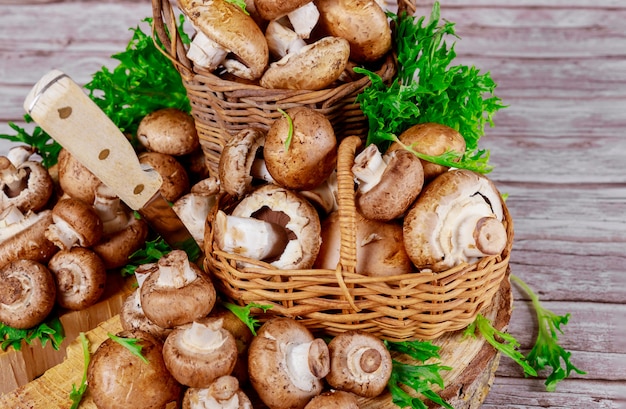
[
  {"x": 420, "y": 305},
  {"x": 222, "y": 107}
]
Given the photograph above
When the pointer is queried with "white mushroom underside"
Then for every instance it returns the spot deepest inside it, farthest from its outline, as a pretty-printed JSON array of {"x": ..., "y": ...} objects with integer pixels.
[
  {"x": 206, "y": 53},
  {"x": 61, "y": 232},
  {"x": 206, "y": 401},
  {"x": 368, "y": 169},
  {"x": 79, "y": 285},
  {"x": 296, "y": 358},
  {"x": 202, "y": 338},
  {"x": 14, "y": 221}
]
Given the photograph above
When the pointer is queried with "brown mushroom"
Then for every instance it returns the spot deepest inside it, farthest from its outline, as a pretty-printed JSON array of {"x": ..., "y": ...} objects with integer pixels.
[
  {"x": 25, "y": 184},
  {"x": 27, "y": 293},
  {"x": 175, "y": 178},
  {"x": 198, "y": 353},
  {"x": 168, "y": 130},
  {"x": 300, "y": 149},
  {"x": 312, "y": 67},
  {"x": 119, "y": 379},
  {"x": 75, "y": 179},
  {"x": 80, "y": 277},
  {"x": 287, "y": 364},
  {"x": 334, "y": 400},
  {"x": 379, "y": 247},
  {"x": 362, "y": 22},
  {"x": 359, "y": 363},
  {"x": 387, "y": 184},
  {"x": 215, "y": 40},
  {"x": 457, "y": 218},
  {"x": 177, "y": 292},
  {"x": 22, "y": 236},
  {"x": 223, "y": 393},
  {"x": 74, "y": 223},
  {"x": 431, "y": 139}
]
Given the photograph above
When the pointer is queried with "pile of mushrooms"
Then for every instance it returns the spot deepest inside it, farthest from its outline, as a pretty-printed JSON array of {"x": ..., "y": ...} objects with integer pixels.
[{"x": 295, "y": 44}]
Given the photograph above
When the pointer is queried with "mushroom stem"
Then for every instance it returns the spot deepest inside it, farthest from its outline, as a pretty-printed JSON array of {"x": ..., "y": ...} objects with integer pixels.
[
  {"x": 175, "y": 270},
  {"x": 206, "y": 52},
  {"x": 12, "y": 221},
  {"x": 249, "y": 237},
  {"x": 369, "y": 166},
  {"x": 303, "y": 19},
  {"x": 108, "y": 207},
  {"x": 316, "y": 354},
  {"x": 259, "y": 171},
  {"x": 13, "y": 179},
  {"x": 282, "y": 40}
]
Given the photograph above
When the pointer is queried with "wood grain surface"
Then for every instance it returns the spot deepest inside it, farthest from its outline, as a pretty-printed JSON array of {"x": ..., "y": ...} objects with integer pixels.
[{"x": 558, "y": 151}]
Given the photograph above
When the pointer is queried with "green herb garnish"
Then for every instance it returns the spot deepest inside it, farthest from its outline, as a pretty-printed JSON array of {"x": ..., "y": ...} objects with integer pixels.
[
  {"x": 290, "y": 133},
  {"x": 241, "y": 4},
  {"x": 46, "y": 147},
  {"x": 132, "y": 344},
  {"x": 427, "y": 89},
  {"x": 547, "y": 351},
  {"x": 49, "y": 330},
  {"x": 244, "y": 313},
  {"x": 420, "y": 378},
  {"x": 152, "y": 251},
  {"x": 76, "y": 395}
]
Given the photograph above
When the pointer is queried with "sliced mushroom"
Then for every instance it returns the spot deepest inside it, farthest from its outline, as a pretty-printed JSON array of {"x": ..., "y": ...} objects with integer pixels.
[
  {"x": 387, "y": 184},
  {"x": 119, "y": 379},
  {"x": 177, "y": 292},
  {"x": 302, "y": 14},
  {"x": 312, "y": 67},
  {"x": 175, "y": 178},
  {"x": 287, "y": 363},
  {"x": 22, "y": 236},
  {"x": 74, "y": 223},
  {"x": 223, "y": 393},
  {"x": 27, "y": 293},
  {"x": 223, "y": 29},
  {"x": 80, "y": 277},
  {"x": 300, "y": 149},
  {"x": 431, "y": 139},
  {"x": 197, "y": 354},
  {"x": 457, "y": 218},
  {"x": 168, "y": 130},
  {"x": 359, "y": 363},
  {"x": 25, "y": 184},
  {"x": 334, "y": 400}
]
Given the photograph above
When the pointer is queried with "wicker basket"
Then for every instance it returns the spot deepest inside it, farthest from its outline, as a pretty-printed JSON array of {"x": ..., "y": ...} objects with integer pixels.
[
  {"x": 419, "y": 305},
  {"x": 222, "y": 107}
]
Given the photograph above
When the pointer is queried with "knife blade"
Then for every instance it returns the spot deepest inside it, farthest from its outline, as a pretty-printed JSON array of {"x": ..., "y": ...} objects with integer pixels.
[{"x": 62, "y": 109}]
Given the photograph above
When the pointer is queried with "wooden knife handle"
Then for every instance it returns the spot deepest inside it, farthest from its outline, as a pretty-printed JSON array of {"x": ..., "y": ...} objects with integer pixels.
[{"x": 67, "y": 114}]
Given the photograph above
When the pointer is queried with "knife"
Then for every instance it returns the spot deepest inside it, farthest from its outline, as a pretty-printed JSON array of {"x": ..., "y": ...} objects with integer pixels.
[{"x": 62, "y": 109}]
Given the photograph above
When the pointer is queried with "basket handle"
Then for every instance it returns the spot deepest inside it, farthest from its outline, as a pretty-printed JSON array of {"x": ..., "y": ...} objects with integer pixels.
[{"x": 165, "y": 32}]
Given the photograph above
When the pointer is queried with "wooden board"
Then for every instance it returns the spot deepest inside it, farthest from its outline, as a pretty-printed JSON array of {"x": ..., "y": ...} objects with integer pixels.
[{"x": 474, "y": 363}]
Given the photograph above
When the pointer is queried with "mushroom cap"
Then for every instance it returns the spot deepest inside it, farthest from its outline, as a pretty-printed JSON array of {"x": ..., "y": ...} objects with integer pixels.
[
  {"x": 236, "y": 159},
  {"x": 198, "y": 366},
  {"x": 273, "y": 371},
  {"x": 363, "y": 23},
  {"x": 440, "y": 228},
  {"x": 227, "y": 24},
  {"x": 118, "y": 379},
  {"x": 115, "y": 249},
  {"x": 75, "y": 179},
  {"x": 175, "y": 178},
  {"x": 273, "y": 9},
  {"x": 223, "y": 391},
  {"x": 284, "y": 207},
  {"x": 27, "y": 293},
  {"x": 74, "y": 222},
  {"x": 379, "y": 247},
  {"x": 334, "y": 400},
  {"x": 431, "y": 139},
  {"x": 80, "y": 277},
  {"x": 29, "y": 243},
  {"x": 171, "y": 306},
  {"x": 37, "y": 186},
  {"x": 359, "y": 363},
  {"x": 311, "y": 155},
  {"x": 313, "y": 67},
  {"x": 400, "y": 184},
  {"x": 168, "y": 130},
  {"x": 132, "y": 317}
]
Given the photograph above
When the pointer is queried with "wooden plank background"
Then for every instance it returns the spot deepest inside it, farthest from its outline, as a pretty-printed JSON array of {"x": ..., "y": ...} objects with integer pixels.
[{"x": 558, "y": 151}]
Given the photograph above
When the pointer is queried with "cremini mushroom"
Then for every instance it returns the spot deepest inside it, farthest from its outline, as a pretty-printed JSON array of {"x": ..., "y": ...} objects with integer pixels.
[
  {"x": 223, "y": 393},
  {"x": 80, "y": 277},
  {"x": 22, "y": 236},
  {"x": 387, "y": 184},
  {"x": 194, "y": 207},
  {"x": 168, "y": 130},
  {"x": 119, "y": 379},
  {"x": 457, "y": 218},
  {"x": 175, "y": 178},
  {"x": 359, "y": 363},
  {"x": 312, "y": 67},
  {"x": 287, "y": 364},
  {"x": 177, "y": 292},
  {"x": 302, "y": 15},
  {"x": 363, "y": 23},
  {"x": 74, "y": 223},
  {"x": 27, "y": 293},
  {"x": 300, "y": 149},
  {"x": 282, "y": 212},
  {"x": 379, "y": 247},
  {"x": 334, "y": 399},
  {"x": 224, "y": 30},
  {"x": 24, "y": 183},
  {"x": 431, "y": 139},
  {"x": 198, "y": 353},
  {"x": 75, "y": 179}
]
